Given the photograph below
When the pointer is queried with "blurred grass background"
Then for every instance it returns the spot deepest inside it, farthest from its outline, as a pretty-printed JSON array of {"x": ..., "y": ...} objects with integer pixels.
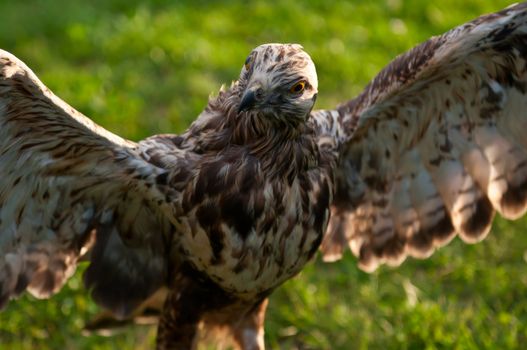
[{"x": 145, "y": 67}]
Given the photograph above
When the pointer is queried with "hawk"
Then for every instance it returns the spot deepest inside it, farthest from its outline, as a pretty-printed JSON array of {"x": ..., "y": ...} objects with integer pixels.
[{"x": 216, "y": 218}]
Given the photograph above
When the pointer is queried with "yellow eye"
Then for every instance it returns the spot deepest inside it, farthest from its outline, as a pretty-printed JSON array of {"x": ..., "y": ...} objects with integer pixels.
[
  {"x": 298, "y": 87},
  {"x": 247, "y": 63}
]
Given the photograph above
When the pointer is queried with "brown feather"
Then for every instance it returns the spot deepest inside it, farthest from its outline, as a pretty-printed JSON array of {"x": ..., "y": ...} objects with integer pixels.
[{"x": 435, "y": 144}]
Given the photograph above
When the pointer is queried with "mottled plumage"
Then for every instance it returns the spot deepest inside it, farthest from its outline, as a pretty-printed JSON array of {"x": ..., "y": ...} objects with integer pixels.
[
  {"x": 203, "y": 226},
  {"x": 437, "y": 146}
]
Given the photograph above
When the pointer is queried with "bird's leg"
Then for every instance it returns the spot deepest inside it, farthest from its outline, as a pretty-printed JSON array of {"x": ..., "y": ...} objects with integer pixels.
[
  {"x": 249, "y": 332},
  {"x": 178, "y": 325}
]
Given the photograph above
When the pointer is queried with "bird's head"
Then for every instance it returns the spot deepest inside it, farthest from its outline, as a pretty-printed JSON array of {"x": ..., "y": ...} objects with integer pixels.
[{"x": 278, "y": 81}]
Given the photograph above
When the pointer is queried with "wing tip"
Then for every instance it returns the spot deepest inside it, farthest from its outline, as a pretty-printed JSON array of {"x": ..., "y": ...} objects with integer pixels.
[
  {"x": 477, "y": 227},
  {"x": 423, "y": 244},
  {"x": 513, "y": 203},
  {"x": 330, "y": 257},
  {"x": 36, "y": 271}
]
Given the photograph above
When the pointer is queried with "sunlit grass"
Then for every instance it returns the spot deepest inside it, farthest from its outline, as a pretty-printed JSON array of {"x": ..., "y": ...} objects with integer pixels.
[{"x": 140, "y": 68}]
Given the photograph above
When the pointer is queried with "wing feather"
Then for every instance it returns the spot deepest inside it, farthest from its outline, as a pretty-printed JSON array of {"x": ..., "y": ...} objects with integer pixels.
[
  {"x": 438, "y": 142},
  {"x": 66, "y": 183}
]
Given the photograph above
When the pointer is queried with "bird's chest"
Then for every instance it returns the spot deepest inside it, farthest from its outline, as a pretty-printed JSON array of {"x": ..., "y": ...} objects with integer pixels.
[{"x": 251, "y": 238}]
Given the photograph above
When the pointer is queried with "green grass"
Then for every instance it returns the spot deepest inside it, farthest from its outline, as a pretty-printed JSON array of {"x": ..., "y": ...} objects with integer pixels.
[{"x": 140, "y": 68}]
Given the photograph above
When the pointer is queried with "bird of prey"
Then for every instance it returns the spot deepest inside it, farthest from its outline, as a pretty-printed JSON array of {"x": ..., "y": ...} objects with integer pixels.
[{"x": 218, "y": 217}]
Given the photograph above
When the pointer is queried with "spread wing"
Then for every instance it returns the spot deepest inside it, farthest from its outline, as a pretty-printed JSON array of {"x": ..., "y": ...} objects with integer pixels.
[
  {"x": 435, "y": 144},
  {"x": 66, "y": 183}
]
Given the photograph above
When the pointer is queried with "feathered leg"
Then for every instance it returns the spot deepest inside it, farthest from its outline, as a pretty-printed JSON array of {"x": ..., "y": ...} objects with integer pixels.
[
  {"x": 180, "y": 317},
  {"x": 186, "y": 306},
  {"x": 249, "y": 333}
]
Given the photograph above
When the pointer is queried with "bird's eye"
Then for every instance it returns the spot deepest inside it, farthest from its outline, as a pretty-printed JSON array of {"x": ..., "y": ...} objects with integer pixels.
[
  {"x": 247, "y": 63},
  {"x": 298, "y": 87}
]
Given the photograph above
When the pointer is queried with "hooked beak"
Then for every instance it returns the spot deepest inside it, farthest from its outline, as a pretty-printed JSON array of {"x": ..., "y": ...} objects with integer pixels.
[{"x": 248, "y": 101}]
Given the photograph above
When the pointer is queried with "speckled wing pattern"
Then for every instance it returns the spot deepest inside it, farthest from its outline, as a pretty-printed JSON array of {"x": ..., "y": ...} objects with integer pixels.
[
  {"x": 435, "y": 144},
  {"x": 65, "y": 180}
]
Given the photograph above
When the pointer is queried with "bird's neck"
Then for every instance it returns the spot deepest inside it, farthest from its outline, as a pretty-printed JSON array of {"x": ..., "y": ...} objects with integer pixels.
[
  {"x": 283, "y": 149},
  {"x": 285, "y": 153}
]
